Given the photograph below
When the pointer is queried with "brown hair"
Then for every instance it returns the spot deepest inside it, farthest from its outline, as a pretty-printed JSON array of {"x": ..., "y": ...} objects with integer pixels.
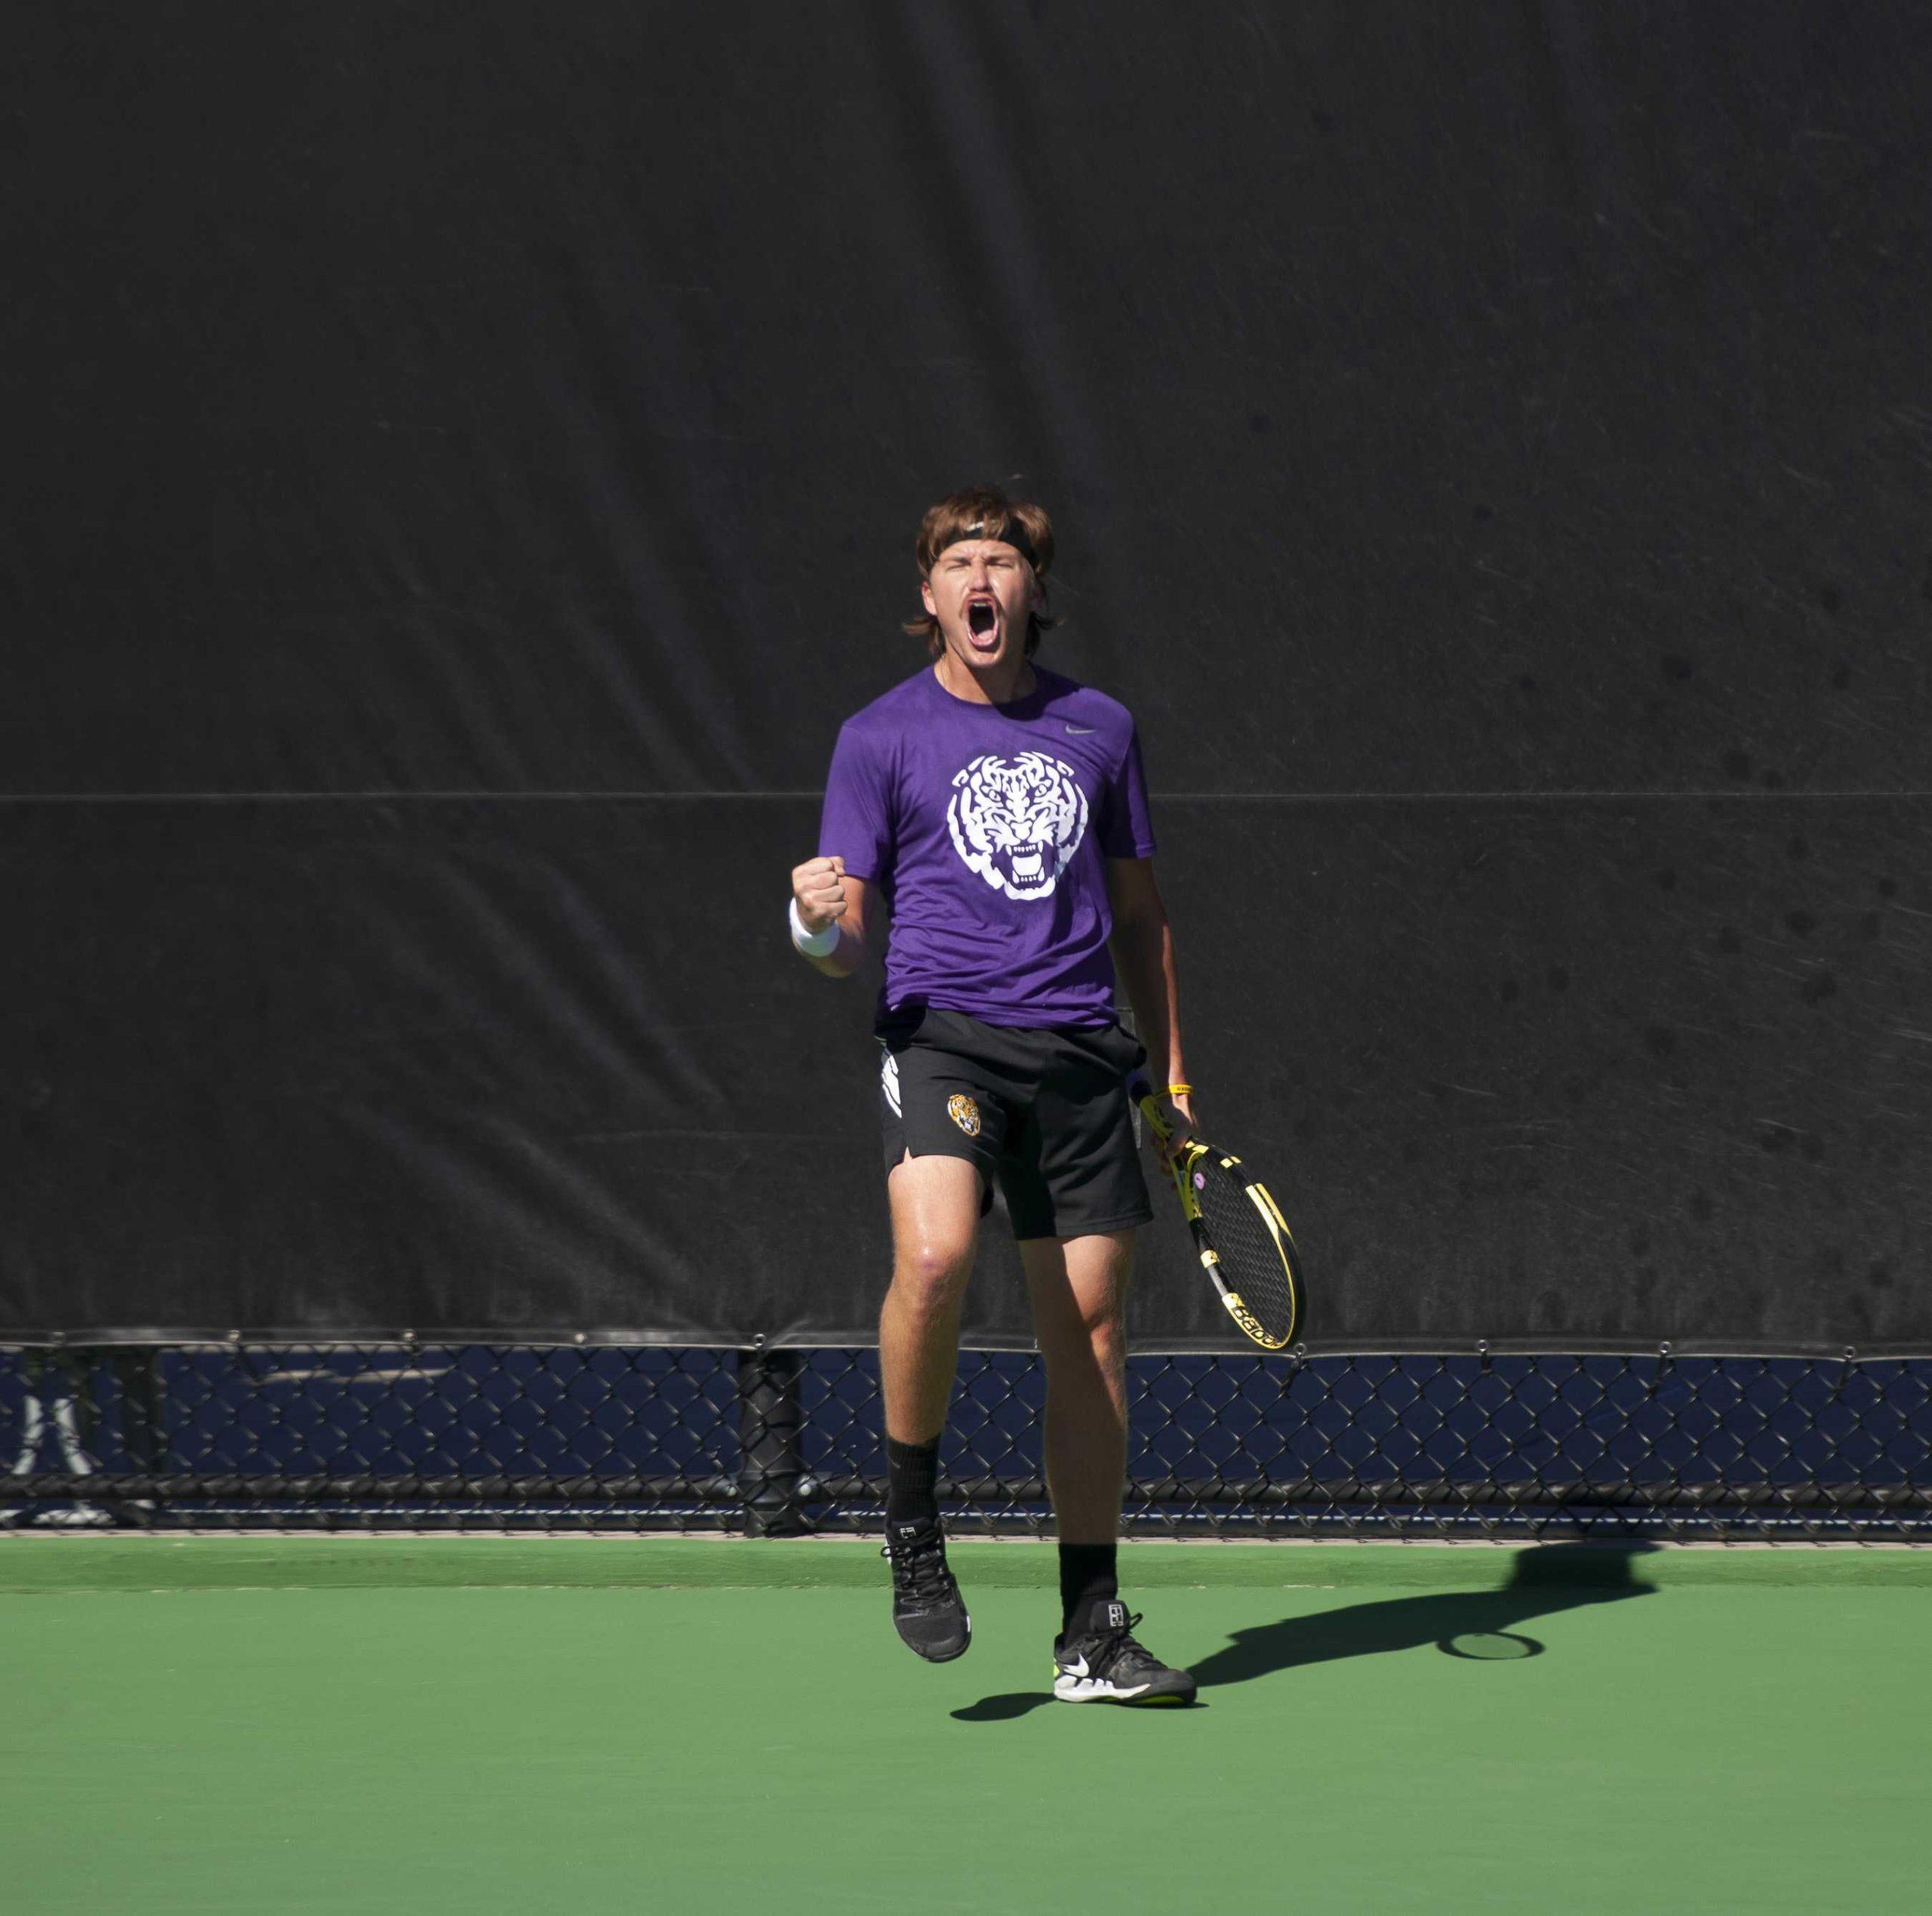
[{"x": 984, "y": 512}]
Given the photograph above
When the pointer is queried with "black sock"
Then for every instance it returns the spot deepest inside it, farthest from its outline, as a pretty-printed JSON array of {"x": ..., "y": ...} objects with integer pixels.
[
  {"x": 912, "y": 1484},
  {"x": 1087, "y": 1580}
]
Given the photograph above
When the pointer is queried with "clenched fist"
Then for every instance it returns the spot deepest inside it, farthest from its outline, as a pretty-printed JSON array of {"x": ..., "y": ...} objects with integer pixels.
[{"x": 821, "y": 897}]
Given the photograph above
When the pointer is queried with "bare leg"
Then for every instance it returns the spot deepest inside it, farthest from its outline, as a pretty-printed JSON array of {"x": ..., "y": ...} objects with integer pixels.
[
  {"x": 1078, "y": 1287},
  {"x": 935, "y": 1203}
]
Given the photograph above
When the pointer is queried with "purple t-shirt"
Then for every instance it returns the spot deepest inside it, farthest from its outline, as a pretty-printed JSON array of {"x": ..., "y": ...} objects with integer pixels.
[{"x": 988, "y": 828}]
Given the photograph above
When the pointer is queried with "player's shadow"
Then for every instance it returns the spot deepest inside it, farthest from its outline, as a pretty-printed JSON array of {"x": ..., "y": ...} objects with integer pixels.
[{"x": 1485, "y": 1624}]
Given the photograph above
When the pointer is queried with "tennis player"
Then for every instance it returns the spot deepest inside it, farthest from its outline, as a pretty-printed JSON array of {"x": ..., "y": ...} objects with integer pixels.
[{"x": 997, "y": 812}]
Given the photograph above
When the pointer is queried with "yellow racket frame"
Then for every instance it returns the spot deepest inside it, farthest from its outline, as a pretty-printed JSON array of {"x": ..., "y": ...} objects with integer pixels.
[{"x": 1181, "y": 1167}]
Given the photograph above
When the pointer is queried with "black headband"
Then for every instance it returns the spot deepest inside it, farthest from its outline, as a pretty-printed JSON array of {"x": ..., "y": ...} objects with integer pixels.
[{"x": 1015, "y": 536}]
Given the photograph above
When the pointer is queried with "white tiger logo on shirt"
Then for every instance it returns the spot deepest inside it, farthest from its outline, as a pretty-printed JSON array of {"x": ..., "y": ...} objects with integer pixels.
[{"x": 1017, "y": 822}]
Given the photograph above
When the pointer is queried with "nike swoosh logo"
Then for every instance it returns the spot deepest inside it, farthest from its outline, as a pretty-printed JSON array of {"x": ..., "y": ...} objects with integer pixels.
[
  {"x": 1081, "y": 731},
  {"x": 1078, "y": 1689},
  {"x": 1077, "y": 1667}
]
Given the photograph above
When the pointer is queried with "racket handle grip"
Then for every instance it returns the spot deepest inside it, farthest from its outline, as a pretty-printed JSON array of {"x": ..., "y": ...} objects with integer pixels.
[{"x": 1142, "y": 1092}]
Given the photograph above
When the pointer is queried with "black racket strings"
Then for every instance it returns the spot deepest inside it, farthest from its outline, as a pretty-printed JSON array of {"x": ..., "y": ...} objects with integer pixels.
[{"x": 1253, "y": 1261}]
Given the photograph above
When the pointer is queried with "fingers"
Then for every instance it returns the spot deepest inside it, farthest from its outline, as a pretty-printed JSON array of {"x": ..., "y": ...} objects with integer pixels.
[
  {"x": 816, "y": 885},
  {"x": 818, "y": 871},
  {"x": 1179, "y": 1116}
]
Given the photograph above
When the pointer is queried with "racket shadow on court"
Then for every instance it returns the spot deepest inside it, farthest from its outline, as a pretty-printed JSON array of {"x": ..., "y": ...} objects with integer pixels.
[
  {"x": 1482, "y": 1625},
  {"x": 1479, "y": 1625}
]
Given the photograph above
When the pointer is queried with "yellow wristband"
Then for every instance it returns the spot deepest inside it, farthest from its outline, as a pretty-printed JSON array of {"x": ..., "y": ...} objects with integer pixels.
[{"x": 1178, "y": 1090}]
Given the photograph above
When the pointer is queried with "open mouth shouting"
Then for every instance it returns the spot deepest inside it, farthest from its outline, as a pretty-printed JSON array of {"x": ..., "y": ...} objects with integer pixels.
[{"x": 983, "y": 622}]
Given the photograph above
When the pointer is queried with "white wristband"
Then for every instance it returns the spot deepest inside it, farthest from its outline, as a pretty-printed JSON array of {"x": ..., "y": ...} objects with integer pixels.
[{"x": 814, "y": 944}]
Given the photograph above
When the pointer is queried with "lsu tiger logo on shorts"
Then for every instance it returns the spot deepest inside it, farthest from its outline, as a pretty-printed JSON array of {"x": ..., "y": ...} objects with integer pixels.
[{"x": 964, "y": 1113}]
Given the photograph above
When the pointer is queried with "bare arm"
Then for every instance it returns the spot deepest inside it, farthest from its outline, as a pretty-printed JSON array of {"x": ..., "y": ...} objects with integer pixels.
[
  {"x": 826, "y": 894},
  {"x": 1144, "y": 951}
]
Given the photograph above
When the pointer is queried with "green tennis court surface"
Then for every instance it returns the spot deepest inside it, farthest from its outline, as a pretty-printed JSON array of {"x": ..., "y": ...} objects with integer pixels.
[{"x": 327, "y": 1724}]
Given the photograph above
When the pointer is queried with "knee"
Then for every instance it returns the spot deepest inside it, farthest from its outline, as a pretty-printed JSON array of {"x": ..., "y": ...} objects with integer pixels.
[
  {"x": 1096, "y": 1334},
  {"x": 1106, "y": 1325},
  {"x": 1106, "y": 1338},
  {"x": 931, "y": 1273}
]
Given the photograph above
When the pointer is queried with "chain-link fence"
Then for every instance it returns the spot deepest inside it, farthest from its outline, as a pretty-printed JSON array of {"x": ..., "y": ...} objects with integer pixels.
[{"x": 625, "y": 1437}]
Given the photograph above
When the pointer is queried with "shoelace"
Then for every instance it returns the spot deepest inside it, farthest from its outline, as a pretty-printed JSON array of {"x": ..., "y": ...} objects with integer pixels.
[
  {"x": 1117, "y": 1651},
  {"x": 919, "y": 1571}
]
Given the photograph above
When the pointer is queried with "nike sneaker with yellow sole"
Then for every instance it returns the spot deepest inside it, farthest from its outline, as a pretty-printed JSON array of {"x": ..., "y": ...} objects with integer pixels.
[{"x": 1104, "y": 1664}]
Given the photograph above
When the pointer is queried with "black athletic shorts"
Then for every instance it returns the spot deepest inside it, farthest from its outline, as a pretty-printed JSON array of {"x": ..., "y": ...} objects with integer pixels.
[{"x": 1046, "y": 1112}]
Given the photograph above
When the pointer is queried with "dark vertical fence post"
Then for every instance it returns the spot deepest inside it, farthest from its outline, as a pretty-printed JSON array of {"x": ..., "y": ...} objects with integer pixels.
[{"x": 770, "y": 1463}]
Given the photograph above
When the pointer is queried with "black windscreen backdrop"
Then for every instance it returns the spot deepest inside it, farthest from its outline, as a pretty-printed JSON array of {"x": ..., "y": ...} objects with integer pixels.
[{"x": 461, "y": 464}]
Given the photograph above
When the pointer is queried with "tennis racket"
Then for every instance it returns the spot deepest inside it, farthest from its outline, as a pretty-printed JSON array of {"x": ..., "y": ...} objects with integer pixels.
[{"x": 1242, "y": 1239}]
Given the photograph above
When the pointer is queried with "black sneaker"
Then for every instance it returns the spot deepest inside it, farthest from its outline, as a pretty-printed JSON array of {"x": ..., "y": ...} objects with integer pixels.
[
  {"x": 927, "y": 1610},
  {"x": 1106, "y": 1665}
]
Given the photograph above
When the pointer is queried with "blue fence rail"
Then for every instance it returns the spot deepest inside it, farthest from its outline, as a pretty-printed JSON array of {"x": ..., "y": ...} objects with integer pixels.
[{"x": 516, "y": 1436}]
